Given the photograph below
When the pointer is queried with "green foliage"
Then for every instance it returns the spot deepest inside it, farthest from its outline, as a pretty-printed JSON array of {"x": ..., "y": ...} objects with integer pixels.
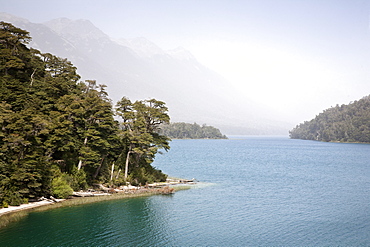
[
  {"x": 12, "y": 197},
  {"x": 78, "y": 181},
  {"x": 59, "y": 134},
  {"x": 60, "y": 187},
  {"x": 140, "y": 133},
  {"x": 345, "y": 123},
  {"x": 191, "y": 131},
  {"x": 145, "y": 174},
  {"x": 13, "y": 52}
]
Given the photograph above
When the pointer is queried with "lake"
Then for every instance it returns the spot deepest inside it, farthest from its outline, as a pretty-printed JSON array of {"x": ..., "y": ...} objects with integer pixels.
[{"x": 253, "y": 191}]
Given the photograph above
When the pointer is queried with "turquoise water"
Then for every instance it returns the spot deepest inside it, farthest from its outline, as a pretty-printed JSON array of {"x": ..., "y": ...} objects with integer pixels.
[{"x": 264, "y": 191}]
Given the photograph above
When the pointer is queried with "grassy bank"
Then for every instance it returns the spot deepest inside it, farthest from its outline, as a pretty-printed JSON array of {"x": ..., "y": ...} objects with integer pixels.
[{"x": 5, "y": 219}]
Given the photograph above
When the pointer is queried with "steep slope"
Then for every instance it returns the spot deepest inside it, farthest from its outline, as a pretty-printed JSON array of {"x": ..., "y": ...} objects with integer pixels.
[{"x": 139, "y": 69}]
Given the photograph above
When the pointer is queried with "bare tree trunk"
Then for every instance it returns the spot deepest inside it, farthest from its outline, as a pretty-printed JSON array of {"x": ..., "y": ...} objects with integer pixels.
[
  {"x": 79, "y": 165},
  {"x": 126, "y": 166},
  {"x": 111, "y": 175},
  {"x": 80, "y": 162},
  {"x": 33, "y": 73},
  {"x": 119, "y": 171}
]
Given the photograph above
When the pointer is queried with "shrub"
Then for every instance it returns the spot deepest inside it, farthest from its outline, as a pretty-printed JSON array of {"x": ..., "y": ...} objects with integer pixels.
[
  {"x": 60, "y": 187},
  {"x": 79, "y": 180},
  {"x": 15, "y": 199},
  {"x": 147, "y": 174}
]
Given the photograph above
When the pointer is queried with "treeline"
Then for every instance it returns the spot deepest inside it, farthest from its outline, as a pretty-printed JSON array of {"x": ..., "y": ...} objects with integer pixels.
[
  {"x": 345, "y": 123},
  {"x": 58, "y": 134},
  {"x": 191, "y": 131}
]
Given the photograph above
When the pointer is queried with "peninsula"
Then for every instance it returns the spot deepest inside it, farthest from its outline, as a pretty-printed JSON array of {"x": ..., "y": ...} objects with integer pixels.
[{"x": 181, "y": 130}]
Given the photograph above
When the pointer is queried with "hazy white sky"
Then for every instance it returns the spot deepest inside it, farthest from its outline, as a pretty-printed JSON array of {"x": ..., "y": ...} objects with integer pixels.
[{"x": 298, "y": 57}]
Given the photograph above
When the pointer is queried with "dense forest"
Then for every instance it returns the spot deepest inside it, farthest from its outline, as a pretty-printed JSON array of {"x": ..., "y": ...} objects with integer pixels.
[
  {"x": 191, "y": 131},
  {"x": 345, "y": 123},
  {"x": 58, "y": 134}
]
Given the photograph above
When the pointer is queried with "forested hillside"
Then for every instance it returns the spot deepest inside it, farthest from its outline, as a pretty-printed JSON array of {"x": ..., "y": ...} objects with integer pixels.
[
  {"x": 191, "y": 131},
  {"x": 58, "y": 134},
  {"x": 345, "y": 123}
]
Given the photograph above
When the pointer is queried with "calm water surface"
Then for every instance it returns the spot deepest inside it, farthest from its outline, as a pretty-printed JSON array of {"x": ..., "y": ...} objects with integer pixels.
[{"x": 253, "y": 192}]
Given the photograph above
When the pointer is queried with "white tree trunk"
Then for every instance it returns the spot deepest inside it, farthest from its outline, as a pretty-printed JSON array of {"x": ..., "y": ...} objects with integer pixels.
[
  {"x": 80, "y": 162},
  {"x": 126, "y": 166},
  {"x": 79, "y": 165},
  {"x": 33, "y": 73},
  {"x": 111, "y": 175},
  {"x": 119, "y": 171}
]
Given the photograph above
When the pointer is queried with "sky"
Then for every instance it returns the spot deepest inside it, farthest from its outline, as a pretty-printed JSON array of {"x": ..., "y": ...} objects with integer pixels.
[{"x": 297, "y": 57}]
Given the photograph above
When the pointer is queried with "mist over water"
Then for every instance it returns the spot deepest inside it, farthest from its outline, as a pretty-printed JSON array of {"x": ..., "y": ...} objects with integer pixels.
[{"x": 252, "y": 192}]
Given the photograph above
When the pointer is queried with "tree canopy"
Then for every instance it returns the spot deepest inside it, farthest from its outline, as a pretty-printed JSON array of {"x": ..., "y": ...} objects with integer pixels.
[
  {"x": 345, "y": 123},
  {"x": 58, "y": 134},
  {"x": 191, "y": 131}
]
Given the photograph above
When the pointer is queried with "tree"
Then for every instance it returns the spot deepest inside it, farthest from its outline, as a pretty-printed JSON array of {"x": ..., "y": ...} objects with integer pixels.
[
  {"x": 57, "y": 133},
  {"x": 13, "y": 51},
  {"x": 24, "y": 165},
  {"x": 191, "y": 131},
  {"x": 345, "y": 123},
  {"x": 139, "y": 130},
  {"x": 29, "y": 96},
  {"x": 100, "y": 129}
]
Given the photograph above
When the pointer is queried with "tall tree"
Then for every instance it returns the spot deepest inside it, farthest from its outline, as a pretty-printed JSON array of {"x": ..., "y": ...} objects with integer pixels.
[
  {"x": 57, "y": 133},
  {"x": 13, "y": 50},
  {"x": 140, "y": 130},
  {"x": 100, "y": 129},
  {"x": 23, "y": 126}
]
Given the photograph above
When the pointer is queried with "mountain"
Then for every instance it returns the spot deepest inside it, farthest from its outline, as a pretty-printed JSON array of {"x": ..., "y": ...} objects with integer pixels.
[
  {"x": 139, "y": 69},
  {"x": 345, "y": 123},
  {"x": 142, "y": 47}
]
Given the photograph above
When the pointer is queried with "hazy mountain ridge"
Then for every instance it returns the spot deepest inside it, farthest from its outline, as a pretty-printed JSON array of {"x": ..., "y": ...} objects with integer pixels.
[
  {"x": 81, "y": 28},
  {"x": 140, "y": 69},
  {"x": 141, "y": 46}
]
